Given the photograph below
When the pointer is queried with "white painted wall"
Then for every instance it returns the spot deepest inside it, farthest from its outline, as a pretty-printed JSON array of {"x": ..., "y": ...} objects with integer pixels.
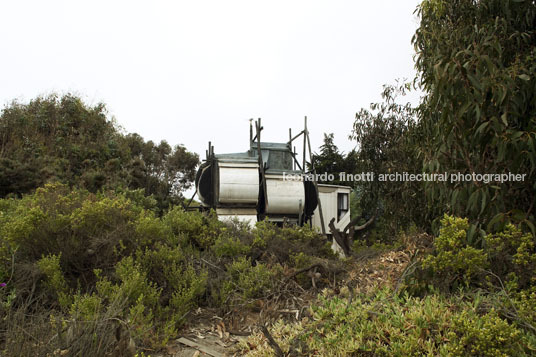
[{"x": 328, "y": 199}]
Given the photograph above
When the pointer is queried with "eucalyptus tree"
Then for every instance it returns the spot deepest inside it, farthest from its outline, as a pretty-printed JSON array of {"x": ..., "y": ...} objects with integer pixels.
[{"x": 476, "y": 63}]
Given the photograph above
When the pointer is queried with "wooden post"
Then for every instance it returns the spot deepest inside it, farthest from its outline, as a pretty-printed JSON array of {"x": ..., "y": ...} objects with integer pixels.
[
  {"x": 289, "y": 135},
  {"x": 294, "y": 155},
  {"x": 304, "y": 143},
  {"x": 213, "y": 176},
  {"x": 261, "y": 163},
  {"x": 250, "y": 132},
  {"x": 289, "y": 145},
  {"x": 313, "y": 170}
]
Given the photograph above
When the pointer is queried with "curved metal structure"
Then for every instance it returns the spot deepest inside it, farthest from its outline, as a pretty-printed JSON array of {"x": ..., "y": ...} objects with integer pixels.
[
  {"x": 263, "y": 183},
  {"x": 251, "y": 185}
]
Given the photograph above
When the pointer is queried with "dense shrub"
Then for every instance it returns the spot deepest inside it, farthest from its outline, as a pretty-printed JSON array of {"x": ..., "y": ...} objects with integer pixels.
[
  {"x": 249, "y": 281},
  {"x": 388, "y": 137},
  {"x": 85, "y": 231},
  {"x": 507, "y": 257},
  {"x": 383, "y": 324},
  {"x": 455, "y": 260},
  {"x": 196, "y": 229},
  {"x": 511, "y": 254},
  {"x": 28, "y": 333},
  {"x": 85, "y": 257},
  {"x": 65, "y": 140},
  {"x": 476, "y": 65},
  {"x": 279, "y": 243}
]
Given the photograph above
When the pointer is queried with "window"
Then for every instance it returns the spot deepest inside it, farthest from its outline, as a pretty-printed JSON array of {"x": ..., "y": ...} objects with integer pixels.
[{"x": 342, "y": 205}]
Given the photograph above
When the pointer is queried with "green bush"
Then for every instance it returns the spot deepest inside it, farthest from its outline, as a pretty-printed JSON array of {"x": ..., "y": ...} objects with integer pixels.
[
  {"x": 507, "y": 257},
  {"x": 487, "y": 335},
  {"x": 155, "y": 304},
  {"x": 301, "y": 260},
  {"x": 195, "y": 228},
  {"x": 55, "y": 281},
  {"x": 281, "y": 242},
  {"x": 227, "y": 245},
  {"x": 454, "y": 259},
  {"x": 250, "y": 281},
  {"x": 84, "y": 255},
  {"x": 383, "y": 324},
  {"x": 264, "y": 231},
  {"x": 84, "y": 230},
  {"x": 512, "y": 252},
  {"x": 76, "y": 144},
  {"x": 82, "y": 251},
  {"x": 520, "y": 306}
]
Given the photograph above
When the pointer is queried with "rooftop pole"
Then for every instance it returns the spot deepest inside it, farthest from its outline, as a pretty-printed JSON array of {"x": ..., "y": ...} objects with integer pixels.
[
  {"x": 304, "y": 143},
  {"x": 261, "y": 163}
]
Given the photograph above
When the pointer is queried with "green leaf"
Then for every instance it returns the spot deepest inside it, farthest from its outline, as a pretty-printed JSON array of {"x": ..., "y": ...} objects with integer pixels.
[
  {"x": 453, "y": 200},
  {"x": 477, "y": 112},
  {"x": 498, "y": 218},
  {"x": 472, "y": 200},
  {"x": 463, "y": 109},
  {"x": 531, "y": 227},
  {"x": 518, "y": 215},
  {"x": 483, "y": 205},
  {"x": 501, "y": 150},
  {"x": 475, "y": 82},
  {"x": 471, "y": 234},
  {"x": 482, "y": 126},
  {"x": 517, "y": 135},
  {"x": 524, "y": 77},
  {"x": 503, "y": 95},
  {"x": 503, "y": 117}
]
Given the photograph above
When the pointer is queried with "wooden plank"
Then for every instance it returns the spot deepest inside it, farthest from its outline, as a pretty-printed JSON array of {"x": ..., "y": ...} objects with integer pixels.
[
  {"x": 291, "y": 139},
  {"x": 203, "y": 348}
]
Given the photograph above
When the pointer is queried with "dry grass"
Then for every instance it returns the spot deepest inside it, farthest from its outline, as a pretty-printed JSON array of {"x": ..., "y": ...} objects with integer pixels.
[{"x": 33, "y": 331}]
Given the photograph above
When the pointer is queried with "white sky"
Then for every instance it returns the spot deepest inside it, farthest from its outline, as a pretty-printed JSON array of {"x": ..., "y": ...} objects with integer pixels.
[{"x": 193, "y": 71}]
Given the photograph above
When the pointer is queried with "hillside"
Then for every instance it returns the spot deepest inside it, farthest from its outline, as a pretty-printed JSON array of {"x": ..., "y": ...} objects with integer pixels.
[{"x": 100, "y": 257}]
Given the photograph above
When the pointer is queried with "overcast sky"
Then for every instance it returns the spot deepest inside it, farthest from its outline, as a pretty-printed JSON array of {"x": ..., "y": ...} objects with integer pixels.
[{"x": 193, "y": 71}]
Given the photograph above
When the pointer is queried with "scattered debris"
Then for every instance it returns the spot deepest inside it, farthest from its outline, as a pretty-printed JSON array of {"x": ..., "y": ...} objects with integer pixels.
[{"x": 201, "y": 347}]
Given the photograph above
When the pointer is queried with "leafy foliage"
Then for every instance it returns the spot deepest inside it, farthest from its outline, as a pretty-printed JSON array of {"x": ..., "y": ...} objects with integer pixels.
[
  {"x": 86, "y": 257},
  {"x": 455, "y": 259},
  {"x": 476, "y": 63},
  {"x": 511, "y": 252},
  {"x": 388, "y": 138},
  {"x": 508, "y": 258},
  {"x": 65, "y": 140},
  {"x": 331, "y": 161},
  {"x": 390, "y": 325}
]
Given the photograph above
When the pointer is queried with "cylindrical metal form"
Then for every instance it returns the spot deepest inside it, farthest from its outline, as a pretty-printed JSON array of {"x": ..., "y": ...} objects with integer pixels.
[
  {"x": 285, "y": 196},
  {"x": 238, "y": 183}
]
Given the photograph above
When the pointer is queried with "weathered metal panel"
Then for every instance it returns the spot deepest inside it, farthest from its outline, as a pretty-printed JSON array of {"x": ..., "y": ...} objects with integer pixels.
[
  {"x": 284, "y": 197},
  {"x": 238, "y": 183}
]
